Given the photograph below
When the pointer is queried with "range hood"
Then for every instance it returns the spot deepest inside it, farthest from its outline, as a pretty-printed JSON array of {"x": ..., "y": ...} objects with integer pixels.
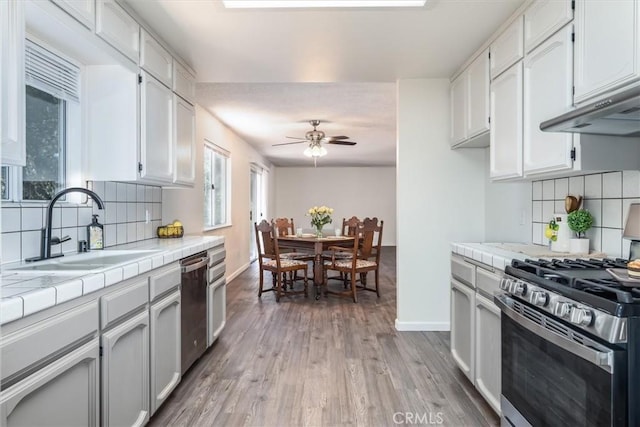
[{"x": 617, "y": 114}]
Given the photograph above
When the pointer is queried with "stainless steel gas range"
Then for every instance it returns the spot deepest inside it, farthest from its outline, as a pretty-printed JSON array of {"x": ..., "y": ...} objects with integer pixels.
[{"x": 570, "y": 344}]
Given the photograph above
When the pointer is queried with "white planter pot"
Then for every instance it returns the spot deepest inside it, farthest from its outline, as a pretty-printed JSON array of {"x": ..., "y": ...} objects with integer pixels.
[{"x": 579, "y": 246}]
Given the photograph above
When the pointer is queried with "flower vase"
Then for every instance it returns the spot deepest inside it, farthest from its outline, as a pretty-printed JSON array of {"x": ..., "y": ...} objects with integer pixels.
[{"x": 318, "y": 231}]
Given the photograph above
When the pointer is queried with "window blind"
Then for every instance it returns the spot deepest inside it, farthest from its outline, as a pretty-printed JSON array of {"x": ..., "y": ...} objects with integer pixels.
[{"x": 51, "y": 73}]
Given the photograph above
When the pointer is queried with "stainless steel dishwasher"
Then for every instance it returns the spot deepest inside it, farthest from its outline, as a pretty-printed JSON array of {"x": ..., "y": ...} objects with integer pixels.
[{"x": 193, "y": 315}]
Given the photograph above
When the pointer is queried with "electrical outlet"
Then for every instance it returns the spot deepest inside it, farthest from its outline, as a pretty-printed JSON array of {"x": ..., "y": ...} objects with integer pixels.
[{"x": 147, "y": 217}]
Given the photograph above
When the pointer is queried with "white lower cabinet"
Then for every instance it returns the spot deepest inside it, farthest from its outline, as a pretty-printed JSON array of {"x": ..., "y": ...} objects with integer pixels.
[
  {"x": 64, "y": 393},
  {"x": 488, "y": 351},
  {"x": 462, "y": 326},
  {"x": 475, "y": 326},
  {"x": 50, "y": 370},
  {"x": 216, "y": 309},
  {"x": 165, "y": 348},
  {"x": 125, "y": 373}
]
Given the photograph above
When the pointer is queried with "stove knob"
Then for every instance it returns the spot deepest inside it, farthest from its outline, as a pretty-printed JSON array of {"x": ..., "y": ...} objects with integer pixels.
[
  {"x": 581, "y": 316},
  {"x": 563, "y": 309},
  {"x": 505, "y": 284},
  {"x": 539, "y": 298},
  {"x": 519, "y": 289}
]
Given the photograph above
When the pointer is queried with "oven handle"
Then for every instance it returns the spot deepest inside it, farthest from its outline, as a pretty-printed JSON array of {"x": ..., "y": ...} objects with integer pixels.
[
  {"x": 602, "y": 359},
  {"x": 199, "y": 263}
]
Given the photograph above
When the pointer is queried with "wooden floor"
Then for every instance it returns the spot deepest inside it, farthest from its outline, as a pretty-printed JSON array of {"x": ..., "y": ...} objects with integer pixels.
[{"x": 331, "y": 362}]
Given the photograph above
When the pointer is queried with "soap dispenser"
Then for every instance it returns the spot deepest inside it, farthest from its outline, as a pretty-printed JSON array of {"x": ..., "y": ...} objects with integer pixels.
[{"x": 95, "y": 234}]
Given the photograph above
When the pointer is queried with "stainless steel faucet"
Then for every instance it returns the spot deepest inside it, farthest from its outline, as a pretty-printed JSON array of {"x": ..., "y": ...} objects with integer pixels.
[{"x": 47, "y": 241}]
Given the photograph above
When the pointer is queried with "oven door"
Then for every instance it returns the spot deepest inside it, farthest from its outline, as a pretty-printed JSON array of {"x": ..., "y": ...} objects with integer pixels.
[{"x": 553, "y": 375}]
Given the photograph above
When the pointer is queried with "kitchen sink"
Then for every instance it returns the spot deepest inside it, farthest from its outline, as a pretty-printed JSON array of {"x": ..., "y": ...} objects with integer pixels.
[{"x": 87, "y": 262}]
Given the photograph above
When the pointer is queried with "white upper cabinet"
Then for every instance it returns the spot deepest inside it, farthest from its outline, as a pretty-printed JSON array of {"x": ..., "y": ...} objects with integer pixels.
[
  {"x": 155, "y": 59},
  {"x": 508, "y": 48},
  {"x": 84, "y": 11},
  {"x": 458, "y": 94},
  {"x": 156, "y": 131},
  {"x": 607, "y": 46},
  {"x": 478, "y": 95},
  {"x": 130, "y": 126},
  {"x": 470, "y": 104},
  {"x": 185, "y": 141},
  {"x": 12, "y": 102},
  {"x": 506, "y": 124},
  {"x": 548, "y": 83},
  {"x": 543, "y": 18},
  {"x": 118, "y": 28},
  {"x": 184, "y": 83}
]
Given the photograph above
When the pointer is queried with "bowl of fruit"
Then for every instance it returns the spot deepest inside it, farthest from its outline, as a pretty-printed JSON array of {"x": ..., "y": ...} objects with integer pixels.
[{"x": 173, "y": 230}]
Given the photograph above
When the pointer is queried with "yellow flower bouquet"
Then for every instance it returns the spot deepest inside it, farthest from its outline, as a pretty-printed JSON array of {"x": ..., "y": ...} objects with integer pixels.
[{"x": 319, "y": 217}]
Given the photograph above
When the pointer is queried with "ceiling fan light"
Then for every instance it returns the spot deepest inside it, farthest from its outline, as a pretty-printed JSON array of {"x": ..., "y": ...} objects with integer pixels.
[
  {"x": 307, "y": 152},
  {"x": 315, "y": 150}
]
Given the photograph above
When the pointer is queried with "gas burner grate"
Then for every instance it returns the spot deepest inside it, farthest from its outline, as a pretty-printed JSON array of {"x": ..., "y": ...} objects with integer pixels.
[
  {"x": 610, "y": 289},
  {"x": 573, "y": 264}
]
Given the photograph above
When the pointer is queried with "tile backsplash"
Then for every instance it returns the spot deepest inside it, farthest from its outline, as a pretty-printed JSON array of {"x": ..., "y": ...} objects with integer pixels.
[
  {"x": 127, "y": 208},
  {"x": 606, "y": 195}
]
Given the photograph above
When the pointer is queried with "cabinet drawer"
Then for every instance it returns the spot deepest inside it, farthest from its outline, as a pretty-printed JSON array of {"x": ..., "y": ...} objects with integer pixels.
[
  {"x": 508, "y": 48},
  {"x": 217, "y": 272},
  {"x": 463, "y": 271},
  {"x": 155, "y": 59},
  {"x": 42, "y": 341},
  {"x": 162, "y": 283},
  {"x": 217, "y": 255},
  {"x": 118, "y": 304},
  {"x": 184, "y": 83},
  {"x": 487, "y": 282}
]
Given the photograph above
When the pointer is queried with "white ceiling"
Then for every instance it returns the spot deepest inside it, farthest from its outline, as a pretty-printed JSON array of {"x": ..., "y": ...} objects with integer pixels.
[{"x": 265, "y": 73}]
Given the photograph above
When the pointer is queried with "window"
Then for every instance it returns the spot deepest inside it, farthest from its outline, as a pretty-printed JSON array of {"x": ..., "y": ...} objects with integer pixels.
[
  {"x": 216, "y": 186},
  {"x": 44, "y": 172},
  {"x": 52, "y": 117}
]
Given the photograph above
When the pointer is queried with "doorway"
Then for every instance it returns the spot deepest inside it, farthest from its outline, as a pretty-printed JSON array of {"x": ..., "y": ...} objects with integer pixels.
[{"x": 257, "y": 206}]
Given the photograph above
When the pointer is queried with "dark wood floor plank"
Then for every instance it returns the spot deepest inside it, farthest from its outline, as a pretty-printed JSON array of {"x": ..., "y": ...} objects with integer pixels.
[{"x": 331, "y": 362}]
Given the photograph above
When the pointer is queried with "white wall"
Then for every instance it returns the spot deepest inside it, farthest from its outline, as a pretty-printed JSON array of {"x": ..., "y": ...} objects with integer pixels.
[
  {"x": 507, "y": 210},
  {"x": 360, "y": 191},
  {"x": 187, "y": 205},
  {"x": 440, "y": 196}
]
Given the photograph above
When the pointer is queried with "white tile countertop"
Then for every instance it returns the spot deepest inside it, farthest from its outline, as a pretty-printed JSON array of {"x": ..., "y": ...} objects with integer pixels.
[
  {"x": 26, "y": 292},
  {"x": 499, "y": 255}
]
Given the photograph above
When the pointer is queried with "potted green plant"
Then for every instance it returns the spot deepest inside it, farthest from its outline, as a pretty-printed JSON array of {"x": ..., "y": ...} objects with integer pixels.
[{"x": 579, "y": 222}]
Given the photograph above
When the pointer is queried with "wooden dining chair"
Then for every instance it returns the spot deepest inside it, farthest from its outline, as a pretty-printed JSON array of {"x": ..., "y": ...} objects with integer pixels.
[
  {"x": 367, "y": 236},
  {"x": 284, "y": 226},
  {"x": 349, "y": 225},
  {"x": 270, "y": 260}
]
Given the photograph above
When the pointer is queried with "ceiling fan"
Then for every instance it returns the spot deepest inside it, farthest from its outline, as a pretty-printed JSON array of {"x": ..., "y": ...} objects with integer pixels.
[{"x": 315, "y": 138}]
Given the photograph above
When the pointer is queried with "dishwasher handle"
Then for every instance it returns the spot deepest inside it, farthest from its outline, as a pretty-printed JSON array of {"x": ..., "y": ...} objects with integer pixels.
[{"x": 195, "y": 264}]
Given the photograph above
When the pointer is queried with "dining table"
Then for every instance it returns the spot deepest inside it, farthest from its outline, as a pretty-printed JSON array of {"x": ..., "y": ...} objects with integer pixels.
[{"x": 316, "y": 245}]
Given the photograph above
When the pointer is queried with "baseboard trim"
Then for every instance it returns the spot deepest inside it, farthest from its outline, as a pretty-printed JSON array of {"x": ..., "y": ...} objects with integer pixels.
[
  {"x": 238, "y": 272},
  {"x": 422, "y": 326}
]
